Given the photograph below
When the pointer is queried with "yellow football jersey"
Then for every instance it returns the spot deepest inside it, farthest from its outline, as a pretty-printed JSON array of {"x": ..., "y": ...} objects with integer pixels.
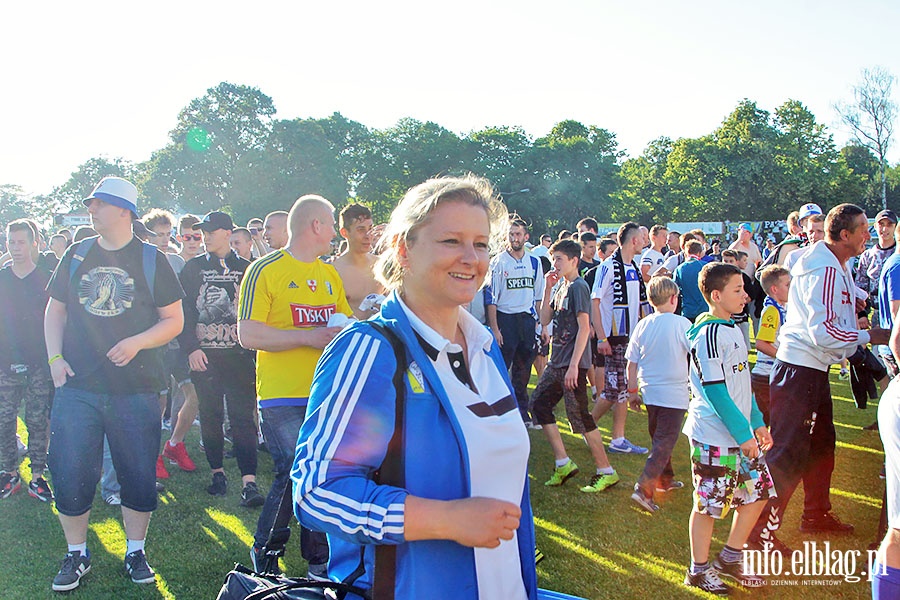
[{"x": 284, "y": 293}]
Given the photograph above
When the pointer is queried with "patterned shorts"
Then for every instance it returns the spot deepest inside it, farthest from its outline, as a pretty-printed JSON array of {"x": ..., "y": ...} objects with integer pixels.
[
  {"x": 615, "y": 388},
  {"x": 724, "y": 479}
]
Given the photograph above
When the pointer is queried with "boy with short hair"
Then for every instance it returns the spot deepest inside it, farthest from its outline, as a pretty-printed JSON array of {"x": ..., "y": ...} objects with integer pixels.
[
  {"x": 657, "y": 354},
  {"x": 727, "y": 434},
  {"x": 739, "y": 258},
  {"x": 566, "y": 375},
  {"x": 776, "y": 281}
]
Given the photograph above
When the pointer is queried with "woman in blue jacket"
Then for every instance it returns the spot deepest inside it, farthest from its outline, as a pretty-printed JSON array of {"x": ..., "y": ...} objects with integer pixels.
[{"x": 462, "y": 522}]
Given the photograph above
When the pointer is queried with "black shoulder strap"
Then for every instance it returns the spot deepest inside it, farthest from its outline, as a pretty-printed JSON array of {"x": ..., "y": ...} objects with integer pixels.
[{"x": 392, "y": 470}]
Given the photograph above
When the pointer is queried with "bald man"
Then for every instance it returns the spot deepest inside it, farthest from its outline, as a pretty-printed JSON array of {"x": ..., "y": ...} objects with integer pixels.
[
  {"x": 275, "y": 229},
  {"x": 286, "y": 301}
]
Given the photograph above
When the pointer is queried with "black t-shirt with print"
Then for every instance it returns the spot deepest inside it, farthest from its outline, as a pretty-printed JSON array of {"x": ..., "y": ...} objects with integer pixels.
[
  {"x": 22, "y": 304},
  {"x": 109, "y": 300}
]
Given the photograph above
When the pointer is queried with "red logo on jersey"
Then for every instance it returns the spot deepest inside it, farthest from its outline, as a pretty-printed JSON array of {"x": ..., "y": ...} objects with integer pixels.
[
  {"x": 311, "y": 316},
  {"x": 312, "y": 284}
]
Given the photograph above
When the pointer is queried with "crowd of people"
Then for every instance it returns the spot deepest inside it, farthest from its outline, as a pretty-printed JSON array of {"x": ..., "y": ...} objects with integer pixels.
[{"x": 269, "y": 334}]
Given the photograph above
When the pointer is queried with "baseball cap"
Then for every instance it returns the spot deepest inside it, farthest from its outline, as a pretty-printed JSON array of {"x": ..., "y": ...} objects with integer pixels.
[
  {"x": 808, "y": 210},
  {"x": 886, "y": 214},
  {"x": 214, "y": 220},
  {"x": 116, "y": 191},
  {"x": 140, "y": 229},
  {"x": 746, "y": 226}
]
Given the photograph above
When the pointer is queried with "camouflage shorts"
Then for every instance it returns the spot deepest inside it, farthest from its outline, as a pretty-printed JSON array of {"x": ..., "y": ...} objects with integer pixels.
[{"x": 724, "y": 479}]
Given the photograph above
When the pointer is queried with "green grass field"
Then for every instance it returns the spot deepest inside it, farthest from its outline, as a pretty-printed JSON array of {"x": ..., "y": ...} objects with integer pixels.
[{"x": 596, "y": 546}]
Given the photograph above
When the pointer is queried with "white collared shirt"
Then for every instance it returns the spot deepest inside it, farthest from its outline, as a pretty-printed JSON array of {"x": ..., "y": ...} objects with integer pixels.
[{"x": 496, "y": 441}]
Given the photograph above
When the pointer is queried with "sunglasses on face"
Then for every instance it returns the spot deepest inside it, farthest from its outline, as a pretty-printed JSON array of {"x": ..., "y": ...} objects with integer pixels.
[{"x": 195, "y": 237}]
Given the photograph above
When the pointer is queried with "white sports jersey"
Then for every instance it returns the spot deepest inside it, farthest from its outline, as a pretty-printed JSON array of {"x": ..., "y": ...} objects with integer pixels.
[
  {"x": 515, "y": 284},
  {"x": 718, "y": 355},
  {"x": 653, "y": 258}
]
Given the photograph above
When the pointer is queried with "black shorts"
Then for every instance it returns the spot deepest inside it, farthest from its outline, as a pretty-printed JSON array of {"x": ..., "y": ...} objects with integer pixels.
[{"x": 597, "y": 359}]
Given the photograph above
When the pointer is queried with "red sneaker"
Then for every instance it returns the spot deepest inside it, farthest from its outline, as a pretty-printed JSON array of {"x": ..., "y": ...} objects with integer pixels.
[
  {"x": 179, "y": 455},
  {"x": 161, "y": 472}
]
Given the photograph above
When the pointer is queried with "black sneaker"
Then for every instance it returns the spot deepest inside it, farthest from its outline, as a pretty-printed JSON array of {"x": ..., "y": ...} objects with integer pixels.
[
  {"x": 9, "y": 484},
  {"x": 827, "y": 523},
  {"x": 250, "y": 496},
  {"x": 74, "y": 567},
  {"x": 219, "y": 486},
  {"x": 137, "y": 568},
  {"x": 735, "y": 570},
  {"x": 38, "y": 488},
  {"x": 708, "y": 581}
]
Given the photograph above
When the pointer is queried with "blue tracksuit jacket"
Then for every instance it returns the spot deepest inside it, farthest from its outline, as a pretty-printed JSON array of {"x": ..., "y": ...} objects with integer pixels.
[{"x": 344, "y": 439}]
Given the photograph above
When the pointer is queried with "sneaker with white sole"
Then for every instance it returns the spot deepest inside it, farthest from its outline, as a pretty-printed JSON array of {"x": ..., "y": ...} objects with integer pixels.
[
  {"x": 626, "y": 447},
  {"x": 74, "y": 566},
  {"x": 10, "y": 483},
  {"x": 113, "y": 499},
  {"x": 670, "y": 486},
  {"x": 643, "y": 501},
  {"x": 708, "y": 581},
  {"x": 137, "y": 567},
  {"x": 40, "y": 489}
]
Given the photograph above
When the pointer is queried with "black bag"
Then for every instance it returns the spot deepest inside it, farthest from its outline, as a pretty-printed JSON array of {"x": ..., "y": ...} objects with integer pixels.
[{"x": 242, "y": 583}]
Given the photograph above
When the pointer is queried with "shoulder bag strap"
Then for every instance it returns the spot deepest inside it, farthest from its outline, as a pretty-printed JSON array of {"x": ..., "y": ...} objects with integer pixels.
[
  {"x": 392, "y": 471},
  {"x": 80, "y": 253}
]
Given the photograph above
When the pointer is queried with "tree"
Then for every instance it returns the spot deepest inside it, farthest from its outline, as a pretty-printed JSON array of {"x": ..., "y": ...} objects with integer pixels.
[
  {"x": 213, "y": 135},
  {"x": 645, "y": 195},
  {"x": 806, "y": 156},
  {"x": 299, "y": 159},
  {"x": 575, "y": 170},
  {"x": 870, "y": 117}
]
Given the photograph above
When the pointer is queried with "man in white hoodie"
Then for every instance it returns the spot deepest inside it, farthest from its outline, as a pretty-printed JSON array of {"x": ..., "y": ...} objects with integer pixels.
[{"x": 820, "y": 329}]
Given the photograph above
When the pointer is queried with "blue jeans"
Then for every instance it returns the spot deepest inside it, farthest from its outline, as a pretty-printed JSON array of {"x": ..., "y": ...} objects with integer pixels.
[
  {"x": 78, "y": 422},
  {"x": 280, "y": 427},
  {"x": 109, "y": 484}
]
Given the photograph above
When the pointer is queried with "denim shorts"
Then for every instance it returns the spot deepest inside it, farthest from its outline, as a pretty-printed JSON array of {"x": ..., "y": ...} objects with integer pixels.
[{"x": 78, "y": 422}]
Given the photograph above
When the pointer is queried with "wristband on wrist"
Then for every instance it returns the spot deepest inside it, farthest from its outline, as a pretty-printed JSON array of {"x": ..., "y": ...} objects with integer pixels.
[
  {"x": 54, "y": 358},
  {"x": 603, "y": 341}
]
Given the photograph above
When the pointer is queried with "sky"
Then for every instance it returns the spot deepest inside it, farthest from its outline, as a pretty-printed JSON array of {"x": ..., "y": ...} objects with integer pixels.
[{"x": 97, "y": 78}]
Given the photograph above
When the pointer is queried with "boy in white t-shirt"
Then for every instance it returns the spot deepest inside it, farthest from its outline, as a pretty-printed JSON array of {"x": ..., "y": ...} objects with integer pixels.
[
  {"x": 657, "y": 355},
  {"x": 727, "y": 434}
]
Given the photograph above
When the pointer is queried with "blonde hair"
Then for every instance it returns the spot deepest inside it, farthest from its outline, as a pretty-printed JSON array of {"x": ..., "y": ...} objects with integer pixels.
[
  {"x": 415, "y": 208},
  {"x": 660, "y": 289}
]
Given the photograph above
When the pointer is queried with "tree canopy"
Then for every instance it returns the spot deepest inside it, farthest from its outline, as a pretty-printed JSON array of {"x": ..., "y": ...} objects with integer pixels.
[{"x": 227, "y": 150}]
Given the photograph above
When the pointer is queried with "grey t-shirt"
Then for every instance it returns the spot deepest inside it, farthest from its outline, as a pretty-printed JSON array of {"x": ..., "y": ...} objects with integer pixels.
[{"x": 568, "y": 300}]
